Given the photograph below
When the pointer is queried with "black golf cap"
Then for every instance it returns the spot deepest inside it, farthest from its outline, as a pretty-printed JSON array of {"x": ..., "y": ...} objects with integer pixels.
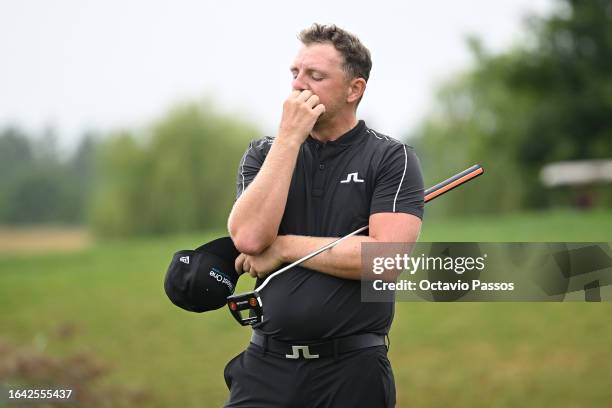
[{"x": 201, "y": 279}]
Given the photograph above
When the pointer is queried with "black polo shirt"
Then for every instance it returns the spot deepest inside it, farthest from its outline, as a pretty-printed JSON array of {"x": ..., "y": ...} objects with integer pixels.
[{"x": 335, "y": 188}]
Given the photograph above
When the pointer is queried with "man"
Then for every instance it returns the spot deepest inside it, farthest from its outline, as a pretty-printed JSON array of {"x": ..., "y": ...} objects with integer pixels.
[{"x": 324, "y": 175}]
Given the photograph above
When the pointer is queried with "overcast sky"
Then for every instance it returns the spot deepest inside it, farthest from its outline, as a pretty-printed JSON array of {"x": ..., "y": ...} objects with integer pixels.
[{"x": 79, "y": 64}]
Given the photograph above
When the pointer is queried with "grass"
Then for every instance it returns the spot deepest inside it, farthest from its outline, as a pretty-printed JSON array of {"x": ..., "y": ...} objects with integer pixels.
[
  {"x": 553, "y": 226},
  {"x": 458, "y": 354}
]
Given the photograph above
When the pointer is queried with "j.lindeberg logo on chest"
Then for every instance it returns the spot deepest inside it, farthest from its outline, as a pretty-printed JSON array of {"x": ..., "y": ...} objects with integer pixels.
[{"x": 354, "y": 177}]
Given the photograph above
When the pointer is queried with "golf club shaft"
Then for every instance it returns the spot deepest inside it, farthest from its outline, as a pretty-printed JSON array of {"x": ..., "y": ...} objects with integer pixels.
[
  {"x": 307, "y": 257},
  {"x": 430, "y": 194},
  {"x": 452, "y": 182}
]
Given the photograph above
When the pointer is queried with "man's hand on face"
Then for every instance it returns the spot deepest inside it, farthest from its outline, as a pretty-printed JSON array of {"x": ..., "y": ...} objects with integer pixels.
[
  {"x": 300, "y": 113},
  {"x": 259, "y": 266}
]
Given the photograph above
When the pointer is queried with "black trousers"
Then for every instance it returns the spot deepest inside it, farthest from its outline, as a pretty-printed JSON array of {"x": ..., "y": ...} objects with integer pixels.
[{"x": 361, "y": 378}]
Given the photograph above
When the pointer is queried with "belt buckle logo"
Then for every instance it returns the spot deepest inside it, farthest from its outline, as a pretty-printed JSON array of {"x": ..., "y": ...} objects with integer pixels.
[{"x": 305, "y": 353}]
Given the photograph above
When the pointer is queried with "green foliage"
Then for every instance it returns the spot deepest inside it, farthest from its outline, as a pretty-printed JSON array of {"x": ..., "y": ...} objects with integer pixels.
[
  {"x": 37, "y": 185},
  {"x": 118, "y": 202},
  {"x": 42, "y": 193},
  {"x": 547, "y": 100},
  {"x": 180, "y": 176}
]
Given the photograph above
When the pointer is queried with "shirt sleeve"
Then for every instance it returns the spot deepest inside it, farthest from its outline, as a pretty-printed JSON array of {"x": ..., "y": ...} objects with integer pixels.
[
  {"x": 250, "y": 164},
  {"x": 399, "y": 184}
]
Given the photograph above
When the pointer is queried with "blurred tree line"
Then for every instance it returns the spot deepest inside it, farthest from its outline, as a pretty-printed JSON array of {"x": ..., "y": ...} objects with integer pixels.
[
  {"x": 545, "y": 100},
  {"x": 177, "y": 175},
  {"x": 39, "y": 186}
]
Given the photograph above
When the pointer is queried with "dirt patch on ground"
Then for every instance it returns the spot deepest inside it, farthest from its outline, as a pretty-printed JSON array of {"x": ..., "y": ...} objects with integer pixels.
[{"x": 38, "y": 240}]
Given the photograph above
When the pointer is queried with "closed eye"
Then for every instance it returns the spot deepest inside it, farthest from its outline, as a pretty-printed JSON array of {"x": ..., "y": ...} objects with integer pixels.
[{"x": 314, "y": 74}]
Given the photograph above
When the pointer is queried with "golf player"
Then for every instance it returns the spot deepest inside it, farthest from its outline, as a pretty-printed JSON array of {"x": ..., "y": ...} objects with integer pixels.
[{"x": 323, "y": 175}]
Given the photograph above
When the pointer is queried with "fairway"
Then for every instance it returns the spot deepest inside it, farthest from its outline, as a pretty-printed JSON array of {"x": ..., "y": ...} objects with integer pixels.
[{"x": 454, "y": 354}]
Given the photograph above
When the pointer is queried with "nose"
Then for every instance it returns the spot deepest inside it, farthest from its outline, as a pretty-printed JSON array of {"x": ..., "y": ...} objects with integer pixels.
[{"x": 298, "y": 83}]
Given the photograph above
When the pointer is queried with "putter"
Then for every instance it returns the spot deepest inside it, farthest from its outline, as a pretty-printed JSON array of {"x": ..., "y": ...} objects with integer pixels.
[{"x": 252, "y": 302}]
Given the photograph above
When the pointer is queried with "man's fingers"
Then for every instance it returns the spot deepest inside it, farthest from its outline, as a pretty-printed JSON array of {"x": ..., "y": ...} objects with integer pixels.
[
  {"x": 319, "y": 109},
  {"x": 312, "y": 101},
  {"x": 246, "y": 266},
  {"x": 238, "y": 263},
  {"x": 304, "y": 95},
  {"x": 243, "y": 264}
]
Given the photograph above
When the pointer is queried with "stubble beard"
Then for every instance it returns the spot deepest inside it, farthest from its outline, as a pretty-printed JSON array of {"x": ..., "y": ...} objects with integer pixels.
[
  {"x": 326, "y": 119},
  {"x": 322, "y": 122}
]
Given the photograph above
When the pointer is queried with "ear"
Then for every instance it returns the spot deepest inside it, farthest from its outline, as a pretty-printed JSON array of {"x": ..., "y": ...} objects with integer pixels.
[{"x": 356, "y": 89}]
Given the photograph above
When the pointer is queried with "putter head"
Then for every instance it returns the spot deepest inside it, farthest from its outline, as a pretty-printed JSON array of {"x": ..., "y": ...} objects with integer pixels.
[{"x": 249, "y": 301}]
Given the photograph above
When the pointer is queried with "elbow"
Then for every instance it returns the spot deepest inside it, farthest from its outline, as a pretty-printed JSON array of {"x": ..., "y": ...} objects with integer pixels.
[
  {"x": 249, "y": 238},
  {"x": 250, "y": 243},
  {"x": 248, "y": 247}
]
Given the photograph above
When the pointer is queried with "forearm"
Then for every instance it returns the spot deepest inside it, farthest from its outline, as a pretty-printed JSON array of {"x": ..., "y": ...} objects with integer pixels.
[
  {"x": 341, "y": 261},
  {"x": 344, "y": 259},
  {"x": 255, "y": 218}
]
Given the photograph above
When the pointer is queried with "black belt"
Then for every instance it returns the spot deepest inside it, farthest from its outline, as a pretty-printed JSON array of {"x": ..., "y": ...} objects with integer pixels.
[{"x": 318, "y": 350}]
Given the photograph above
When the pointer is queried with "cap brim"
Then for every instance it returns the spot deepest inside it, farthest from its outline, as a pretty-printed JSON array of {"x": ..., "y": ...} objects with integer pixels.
[{"x": 224, "y": 248}]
